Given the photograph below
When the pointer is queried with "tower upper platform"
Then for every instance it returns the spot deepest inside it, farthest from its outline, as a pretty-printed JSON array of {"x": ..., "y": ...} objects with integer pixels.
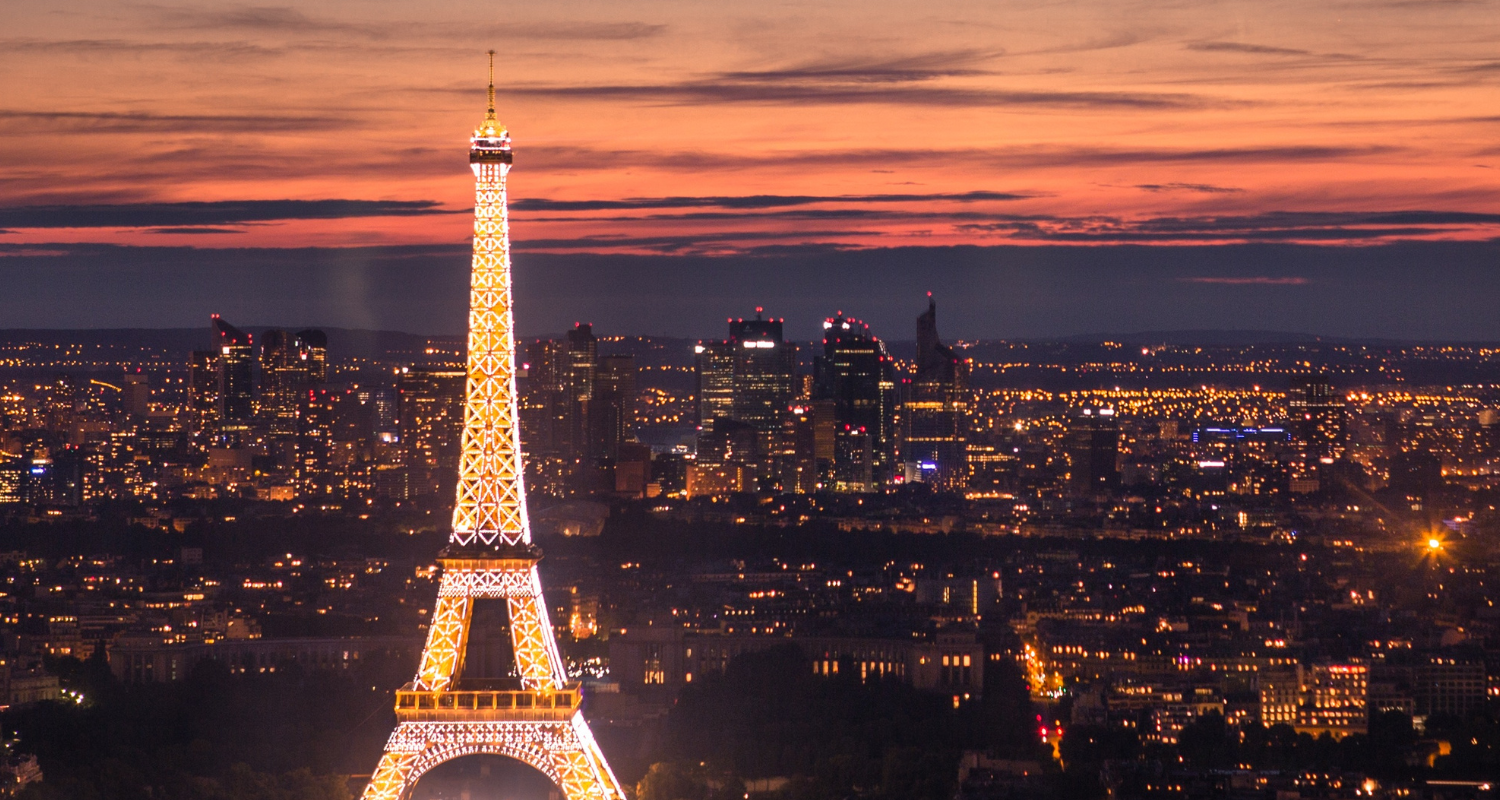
[{"x": 491, "y": 141}]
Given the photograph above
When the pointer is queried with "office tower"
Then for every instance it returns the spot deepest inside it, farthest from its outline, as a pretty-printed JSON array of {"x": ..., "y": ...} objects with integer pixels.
[
  {"x": 857, "y": 374},
  {"x": 576, "y": 410},
  {"x": 765, "y": 364},
  {"x": 935, "y": 410},
  {"x": 236, "y": 366},
  {"x": 560, "y": 376},
  {"x": 135, "y": 392},
  {"x": 429, "y": 420},
  {"x": 612, "y": 412},
  {"x": 853, "y": 460},
  {"x": 757, "y": 366},
  {"x": 1093, "y": 450},
  {"x": 53, "y": 479},
  {"x": 312, "y": 348},
  {"x": 290, "y": 365},
  {"x": 315, "y": 451},
  {"x": 810, "y": 441},
  {"x": 542, "y": 411},
  {"x": 203, "y": 390},
  {"x": 714, "y": 360},
  {"x": 578, "y": 387},
  {"x": 730, "y": 442},
  {"x": 13, "y": 469},
  {"x": 1317, "y": 418}
]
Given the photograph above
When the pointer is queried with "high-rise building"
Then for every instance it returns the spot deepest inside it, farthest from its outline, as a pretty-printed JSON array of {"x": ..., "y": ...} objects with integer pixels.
[
  {"x": 714, "y": 360},
  {"x": 429, "y": 419},
  {"x": 612, "y": 411},
  {"x": 203, "y": 390},
  {"x": 582, "y": 356},
  {"x": 236, "y": 365},
  {"x": 1093, "y": 449},
  {"x": 576, "y": 410},
  {"x": 935, "y": 409},
  {"x": 543, "y": 413},
  {"x": 810, "y": 446},
  {"x": 1317, "y": 416},
  {"x": 135, "y": 392},
  {"x": 858, "y": 375},
  {"x": 765, "y": 364},
  {"x": 757, "y": 366},
  {"x": 290, "y": 365},
  {"x": 312, "y": 348}
]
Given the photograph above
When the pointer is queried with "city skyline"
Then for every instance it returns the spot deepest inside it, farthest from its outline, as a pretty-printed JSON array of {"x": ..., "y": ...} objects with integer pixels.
[
  {"x": 1045, "y": 170},
  {"x": 304, "y": 558}
]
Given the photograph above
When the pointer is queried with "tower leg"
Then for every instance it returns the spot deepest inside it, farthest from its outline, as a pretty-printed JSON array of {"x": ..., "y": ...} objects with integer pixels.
[{"x": 390, "y": 779}]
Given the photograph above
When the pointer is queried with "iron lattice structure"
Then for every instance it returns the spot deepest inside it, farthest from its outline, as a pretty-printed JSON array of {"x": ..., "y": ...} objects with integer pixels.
[{"x": 533, "y": 717}]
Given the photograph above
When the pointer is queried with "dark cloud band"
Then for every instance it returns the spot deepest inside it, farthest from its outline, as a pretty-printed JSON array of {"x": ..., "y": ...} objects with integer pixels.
[{"x": 166, "y": 216}]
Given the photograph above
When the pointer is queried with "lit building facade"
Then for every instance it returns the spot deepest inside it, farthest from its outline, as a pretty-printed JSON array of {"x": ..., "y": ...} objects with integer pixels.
[
  {"x": 935, "y": 410},
  {"x": 748, "y": 379},
  {"x": 857, "y": 374},
  {"x": 236, "y": 365},
  {"x": 1093, "y": 448},
  {"x": 429, "y": 413}
]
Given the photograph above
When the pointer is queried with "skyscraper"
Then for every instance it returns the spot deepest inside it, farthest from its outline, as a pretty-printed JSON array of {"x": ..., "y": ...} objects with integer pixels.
[
  {"x": 612, "y": 412},
  {"x": 1093, "y": 449},
  {"x": 935, "y": 410},
  {"x": 429, "y": 414},
  {"x": 764, "y": 365},
  {"x": 203, "y": 390},
  {"x": 857, "y": 374},
  {"x": 1316, "y": 415},
  {"x": 714, "y": 360},
  {"x": 578, "y": 386},
  {"x": 809, "y": 437},
  {"x": 290, "y": 365},
  {"x": 235, "y": 363},
  {"x": 757, "y": 366},
  {"x": 576, "y": 411}
]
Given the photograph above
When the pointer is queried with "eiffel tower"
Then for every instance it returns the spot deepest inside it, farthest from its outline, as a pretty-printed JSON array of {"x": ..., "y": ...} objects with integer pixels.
[{"x": 533, "y": 714}]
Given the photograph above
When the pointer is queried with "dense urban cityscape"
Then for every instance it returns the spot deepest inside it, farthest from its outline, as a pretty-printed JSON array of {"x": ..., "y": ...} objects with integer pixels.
[
  {"x": 1175, "y": 567},
  {"x": 1106, "y": 403}
]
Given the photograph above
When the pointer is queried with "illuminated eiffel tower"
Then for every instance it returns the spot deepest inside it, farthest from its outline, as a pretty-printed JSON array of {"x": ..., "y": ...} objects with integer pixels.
[{"x": 532, "y": 716}]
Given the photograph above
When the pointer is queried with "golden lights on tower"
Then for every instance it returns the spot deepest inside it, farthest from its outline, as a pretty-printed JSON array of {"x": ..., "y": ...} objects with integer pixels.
[{"x": 534, "y": 715}]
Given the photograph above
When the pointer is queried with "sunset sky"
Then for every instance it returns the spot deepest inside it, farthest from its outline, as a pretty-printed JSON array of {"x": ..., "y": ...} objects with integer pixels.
[{"x": 1046, "y": 168}]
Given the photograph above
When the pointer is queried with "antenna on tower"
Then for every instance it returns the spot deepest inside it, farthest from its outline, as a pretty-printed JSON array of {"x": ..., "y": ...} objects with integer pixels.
[
  {"x": 492, "y": 84},
  {"x": 491, "y": 126}
]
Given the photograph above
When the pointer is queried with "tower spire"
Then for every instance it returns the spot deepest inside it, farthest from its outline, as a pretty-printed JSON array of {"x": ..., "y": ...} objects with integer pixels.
[
  {"x": 491, "y": 127},
  {"x": 491, "y": 114}
]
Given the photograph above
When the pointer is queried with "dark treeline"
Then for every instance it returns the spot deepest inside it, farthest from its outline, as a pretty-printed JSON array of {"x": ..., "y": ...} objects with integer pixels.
[
  {"x": 282, "y": 735},
  {"x": 768, "y": 716}
]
